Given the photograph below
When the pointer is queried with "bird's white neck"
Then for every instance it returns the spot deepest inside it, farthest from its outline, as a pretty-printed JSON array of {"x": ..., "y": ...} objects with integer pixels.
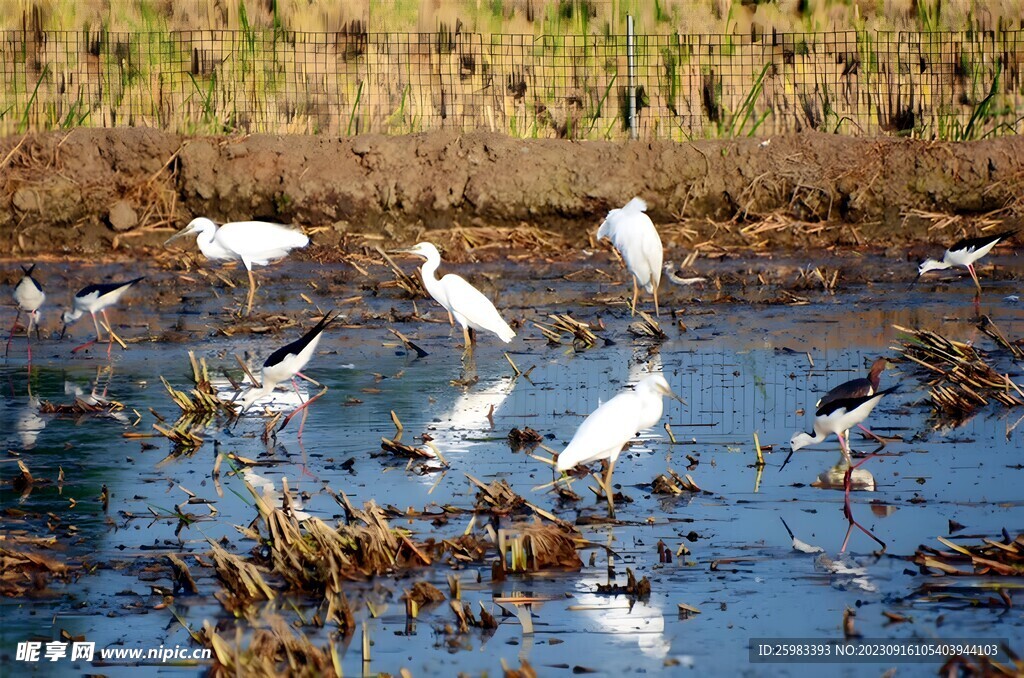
[{"x": 429, "y": 270}]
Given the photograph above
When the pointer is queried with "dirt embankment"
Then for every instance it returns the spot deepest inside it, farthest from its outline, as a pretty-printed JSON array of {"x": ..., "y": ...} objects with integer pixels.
[{"x": 76, "y": 193}]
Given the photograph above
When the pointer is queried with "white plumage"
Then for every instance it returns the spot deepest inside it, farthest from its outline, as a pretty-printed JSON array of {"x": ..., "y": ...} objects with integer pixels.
[
  {"x": 254, "y": 243},
  {"x": 466, "y": 303},
  {"x": 603, "y": 434},
  {"x": 633, "y": 234},
  {"x": 29, "y": 296}
]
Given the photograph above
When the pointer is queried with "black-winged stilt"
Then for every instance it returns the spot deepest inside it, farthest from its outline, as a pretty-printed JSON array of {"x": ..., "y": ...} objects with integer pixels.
[
  {"x": 837, "y": 417},
  {"x": 856, "y": 388},
  {"x": 93, "y": 298},
  {"x": 285, "y": 364},
  {"x": 29, "y": 296},
  {"x": 965, "y": 253}
]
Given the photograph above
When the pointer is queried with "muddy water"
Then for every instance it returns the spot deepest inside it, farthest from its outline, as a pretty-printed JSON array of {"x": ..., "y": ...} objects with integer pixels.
[{"x": 743, "y": 367}]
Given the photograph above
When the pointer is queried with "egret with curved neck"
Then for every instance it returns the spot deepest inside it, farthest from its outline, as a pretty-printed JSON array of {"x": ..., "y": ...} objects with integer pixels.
[
  {"x": 251, "y": 242},
  {"x": 467, "y": 304}
]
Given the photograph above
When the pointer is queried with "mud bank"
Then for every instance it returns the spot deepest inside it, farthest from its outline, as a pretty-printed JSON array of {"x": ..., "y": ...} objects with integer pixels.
[{"x": 78, "y": 192}]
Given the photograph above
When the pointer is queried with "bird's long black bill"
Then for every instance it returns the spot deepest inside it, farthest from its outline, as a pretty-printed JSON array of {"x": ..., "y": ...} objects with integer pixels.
[
  {"x": 786, "y": 461},
  {"x": 63, "y": 330}
]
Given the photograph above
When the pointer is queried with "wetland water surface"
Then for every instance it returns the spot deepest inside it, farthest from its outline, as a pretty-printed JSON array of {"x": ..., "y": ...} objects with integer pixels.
[{"x": 743, "y": 367}]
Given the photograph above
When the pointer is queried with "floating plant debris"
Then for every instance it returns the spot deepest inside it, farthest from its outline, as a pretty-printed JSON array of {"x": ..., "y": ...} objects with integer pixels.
[
  {"x": 961, "y": 378},
  {"x": 580, "y": 334},
  {"x": 1003, "y": 558}
]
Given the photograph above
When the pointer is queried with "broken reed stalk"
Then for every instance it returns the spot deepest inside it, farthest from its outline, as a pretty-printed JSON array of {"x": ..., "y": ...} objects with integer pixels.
[
  {"x": 963, "y": 381},
  {"x": 580, "y": 334}
]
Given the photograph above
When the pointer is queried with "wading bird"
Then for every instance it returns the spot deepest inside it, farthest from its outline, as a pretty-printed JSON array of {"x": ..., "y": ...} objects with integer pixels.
[
  {"x": 93, "y": 298},
  {"x": 29, "y": 296},
  {"x": 470, "y": 307},
  {"x": 251, "y": 242},
  {"x": 603, "y": 434},
  {"x": 633, "y": 234},
  {"x": 856, "y": 388},
  {"x": 285, "y": 364},
  {"x": 965, "y": 253},
  {"x": 837, "y": 417}
]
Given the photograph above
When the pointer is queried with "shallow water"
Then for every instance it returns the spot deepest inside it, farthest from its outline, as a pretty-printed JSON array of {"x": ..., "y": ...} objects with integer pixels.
[{"x": 743, "y": 367}]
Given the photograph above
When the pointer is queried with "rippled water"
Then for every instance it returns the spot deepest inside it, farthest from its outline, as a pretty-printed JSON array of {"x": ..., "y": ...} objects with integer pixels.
[{"x": 743, "y": 367}]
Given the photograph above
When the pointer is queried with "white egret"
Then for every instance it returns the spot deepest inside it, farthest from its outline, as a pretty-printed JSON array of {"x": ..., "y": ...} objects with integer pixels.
[
  {"x": 285, "y": 364},
  {"x": 93, "y": 298},
  {"x": 965, "y": 253},
  {"x": 608, "y": 428},
  {"x": 470, "y": 307},
  {"x": 251, "y": 242},
  {"x": 633, "y": 234},
  {"x": 29, "y": 296}
]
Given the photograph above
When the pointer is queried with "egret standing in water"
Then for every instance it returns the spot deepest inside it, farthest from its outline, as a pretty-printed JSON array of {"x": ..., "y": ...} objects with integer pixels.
[
  {"x": 285, "y": 364},
  {"x": 29, "y": 296},
  {"x": 251, "y": 242},
  {"x": 605, "y": 432},
  {"x": 93, "y": 298},
  {"x": 470, "y": 307},
  {"x": 965, "y": 253},
  {"x": 633, "y": 234}
]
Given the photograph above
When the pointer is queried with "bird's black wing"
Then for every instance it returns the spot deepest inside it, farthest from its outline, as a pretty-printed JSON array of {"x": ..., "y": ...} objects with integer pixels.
[
  {"x": 28, "y": 274},
  {"x": 849, "y": 404},
  {"x": 106, "y": 288},
  {"x": 854, "y": 388},
  {"x": 972, "y": 244},
  {"x": 295, "y": 348}
]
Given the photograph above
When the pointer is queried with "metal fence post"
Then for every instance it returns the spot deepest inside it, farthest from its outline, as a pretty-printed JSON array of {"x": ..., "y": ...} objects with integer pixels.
[{"x": 631, "y": 67}]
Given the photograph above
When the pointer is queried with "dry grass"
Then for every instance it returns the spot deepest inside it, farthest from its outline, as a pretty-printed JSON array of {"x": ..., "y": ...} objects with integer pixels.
[{"x": 706, "y": 69}]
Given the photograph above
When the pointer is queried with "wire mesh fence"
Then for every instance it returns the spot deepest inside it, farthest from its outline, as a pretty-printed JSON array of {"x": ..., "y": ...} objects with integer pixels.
[{"x": 949, "y": 85}]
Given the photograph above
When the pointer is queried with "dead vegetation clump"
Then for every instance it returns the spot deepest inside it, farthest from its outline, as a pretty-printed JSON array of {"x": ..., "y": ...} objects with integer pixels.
[
  {"x": 537, "y": 546},
  {"x": 563, "y": 327},
  {"x": 671, "y": 483},
  {"x": 961, "y": 379},
  {"x": 983, "y": 666},
  {"x": 1000, "y": 558},
  {"x": 22, "y": 572},
  {"x": 272, "y": 652},
  {"x": 527, "y": 438}
]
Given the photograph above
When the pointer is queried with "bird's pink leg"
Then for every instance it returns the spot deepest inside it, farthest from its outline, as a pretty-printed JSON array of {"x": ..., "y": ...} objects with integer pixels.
[
  {"x": 977, "y": 283},
  {"x": 301, "y": 408},
  {"x": 636, "y": 295},
  {"x": 87, "y": 344},
  {"x": 11, "y": 337},
  {"x": 848, "y": 513}
]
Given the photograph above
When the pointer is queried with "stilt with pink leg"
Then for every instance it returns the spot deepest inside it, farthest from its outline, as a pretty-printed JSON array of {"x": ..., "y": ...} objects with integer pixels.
[
  {"x": 284, "y": 365},
  {"x": 964, "y": 253},
  {"x": 837, "y": 417},
  {"x": 94, "y": 299},
  {"x": 29, "y": 296}
]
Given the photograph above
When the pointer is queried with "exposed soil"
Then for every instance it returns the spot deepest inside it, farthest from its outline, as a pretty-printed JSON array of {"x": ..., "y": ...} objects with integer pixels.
[{"x": 76, "y": 193}]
